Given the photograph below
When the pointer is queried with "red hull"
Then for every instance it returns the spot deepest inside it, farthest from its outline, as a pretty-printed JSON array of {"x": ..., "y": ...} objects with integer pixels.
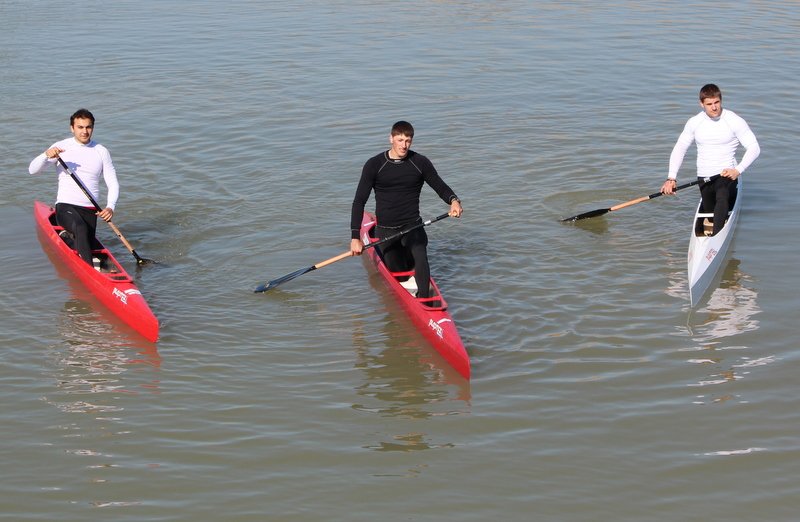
[
  {"x": 112, "y": 286},
  {"x": 430, "y": 315}
]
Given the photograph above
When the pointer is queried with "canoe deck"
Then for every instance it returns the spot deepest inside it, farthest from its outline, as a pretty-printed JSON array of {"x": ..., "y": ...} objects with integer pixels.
[
  {"x": 429, "y": 315},
  {"x": 706, "y": 252},
  {"x": 107, "y": 280}
]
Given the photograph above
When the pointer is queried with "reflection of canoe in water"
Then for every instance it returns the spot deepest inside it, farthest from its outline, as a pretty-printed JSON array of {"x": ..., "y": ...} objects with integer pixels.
[
  {"x": 110, "y": 283},
  {"x": 430, "y": 315},
  {"x": 731, "y": 309},
  {"x": 706, "y": 253}
]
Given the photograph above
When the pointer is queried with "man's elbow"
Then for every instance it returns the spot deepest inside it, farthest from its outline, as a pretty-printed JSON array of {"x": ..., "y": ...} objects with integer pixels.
[{"x": 754, "y": 149}]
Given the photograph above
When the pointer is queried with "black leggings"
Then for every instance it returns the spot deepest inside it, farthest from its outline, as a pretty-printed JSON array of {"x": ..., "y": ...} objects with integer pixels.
[
  {"x": 407, "y": 252},
  {"x": 718, "y": 197},
  {"x": 82, "y": 223}
]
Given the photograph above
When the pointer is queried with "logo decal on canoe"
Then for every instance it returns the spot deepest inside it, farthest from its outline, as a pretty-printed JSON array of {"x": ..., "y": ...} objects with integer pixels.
[
  {"x": 123, "y": 296},
  {"x": 711, "y": 253},
  {"x": 436, "y": 326}
]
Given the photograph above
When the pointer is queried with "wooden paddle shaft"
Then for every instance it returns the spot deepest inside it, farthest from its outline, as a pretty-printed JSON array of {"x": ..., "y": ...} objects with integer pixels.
[
  {"x": 120, "y": 236},
  {"x": 275, "y": 282},
  {"x": 333, "y": 259},
  {"x": 655, "y": 195},
  {"x": 344, "y": 255},
  {"x": 629, "y": 203}
]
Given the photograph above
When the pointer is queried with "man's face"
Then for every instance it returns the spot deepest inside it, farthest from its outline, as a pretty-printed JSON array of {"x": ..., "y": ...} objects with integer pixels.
[
  {"x": 712, "y": 107},
  {"x": 400, "y": 145},
  {"x": 82, "y": 129}
]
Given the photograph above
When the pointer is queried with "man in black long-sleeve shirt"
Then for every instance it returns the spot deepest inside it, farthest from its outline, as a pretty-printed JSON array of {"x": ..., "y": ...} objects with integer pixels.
[{"x": 397, "y": 176}]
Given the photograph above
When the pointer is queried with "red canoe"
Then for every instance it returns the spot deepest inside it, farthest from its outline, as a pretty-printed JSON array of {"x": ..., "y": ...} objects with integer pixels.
[
  {"x": 429, "y": 315},
  {"x": 111, "y": 284}
]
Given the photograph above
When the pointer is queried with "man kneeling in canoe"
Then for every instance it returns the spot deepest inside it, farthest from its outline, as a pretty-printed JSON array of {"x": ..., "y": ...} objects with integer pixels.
[
  {"x": 397, "y": 176},
  {"x": 718, "y": 133},
  {"x": 90, "y": 160}
]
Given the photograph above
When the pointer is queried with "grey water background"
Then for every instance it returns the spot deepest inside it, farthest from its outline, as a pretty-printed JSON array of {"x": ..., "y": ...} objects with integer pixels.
[{"x": 239, "y": 129}]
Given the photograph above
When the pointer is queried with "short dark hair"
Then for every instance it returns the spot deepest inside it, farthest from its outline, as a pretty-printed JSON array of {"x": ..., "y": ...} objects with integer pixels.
[
  {"x": 404, "y": 128},
  {"x": 710, "y": 90},
  {"x": 83, "y": 114}
]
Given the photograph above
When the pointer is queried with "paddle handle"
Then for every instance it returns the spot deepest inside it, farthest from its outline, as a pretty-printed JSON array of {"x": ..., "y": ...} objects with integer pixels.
[
  {"x": 294, "y": 275},
  {"x": 77, "y": 180},
  {"x": 347, "y": 254},
  {"x": 651, "y": 196},
  {"x": 602, "y": 211},
  {"x": 406, "y": 231}
]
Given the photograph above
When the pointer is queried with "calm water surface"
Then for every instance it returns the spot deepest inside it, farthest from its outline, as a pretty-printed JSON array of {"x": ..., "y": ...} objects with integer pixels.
[{"x": 239, "y": 129}]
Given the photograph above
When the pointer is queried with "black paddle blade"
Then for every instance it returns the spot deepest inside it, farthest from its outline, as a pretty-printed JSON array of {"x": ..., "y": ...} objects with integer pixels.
[
  {"x": 591, "y": 214},
  {"x": 275, "y": 282}
]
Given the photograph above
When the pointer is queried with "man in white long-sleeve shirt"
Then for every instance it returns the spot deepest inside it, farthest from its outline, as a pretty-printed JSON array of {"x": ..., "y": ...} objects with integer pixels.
[
  {"x": 90, "y": 161},
  {"x": 718, "y": 133}
]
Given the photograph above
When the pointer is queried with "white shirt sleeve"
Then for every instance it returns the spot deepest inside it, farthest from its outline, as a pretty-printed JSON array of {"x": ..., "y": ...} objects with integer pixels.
[
  {"x": 685, "y": 141},
  {"x": 40, "y": 162},
  {"x": 747, "y": 140},
  {"x": 110, "y": 177}
]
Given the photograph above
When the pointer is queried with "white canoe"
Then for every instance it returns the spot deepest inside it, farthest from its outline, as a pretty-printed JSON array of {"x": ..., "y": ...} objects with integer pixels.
[{"x": 706, "y": 253}]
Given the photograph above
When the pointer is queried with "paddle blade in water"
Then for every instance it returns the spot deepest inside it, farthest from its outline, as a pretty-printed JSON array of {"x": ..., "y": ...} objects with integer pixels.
[
  {"x": 275, "y": 282},
  {"x": 593, "y": 213}
]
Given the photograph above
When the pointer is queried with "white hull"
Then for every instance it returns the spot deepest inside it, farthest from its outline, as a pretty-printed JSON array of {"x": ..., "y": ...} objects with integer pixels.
[{"x": 706, "y": 254}]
